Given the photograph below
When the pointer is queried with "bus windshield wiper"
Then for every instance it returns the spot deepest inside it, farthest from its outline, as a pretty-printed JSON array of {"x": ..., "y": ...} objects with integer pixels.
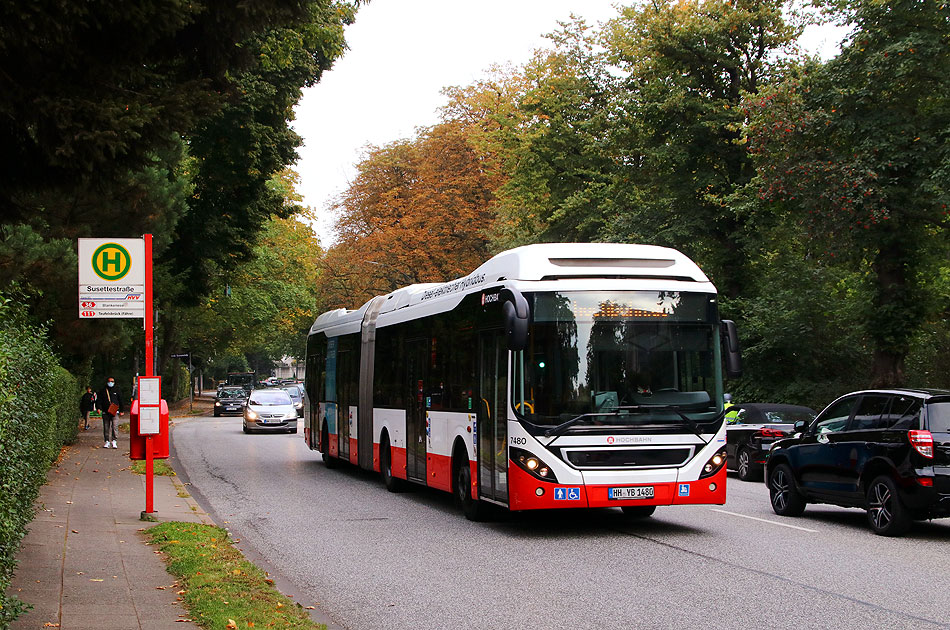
[
  {"x": 615, "y": 411},
  {"x": 566, "y": 425}
]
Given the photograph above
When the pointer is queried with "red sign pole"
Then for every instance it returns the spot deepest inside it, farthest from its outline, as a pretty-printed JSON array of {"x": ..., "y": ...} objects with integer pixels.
[{"x": 149, "y": 369}]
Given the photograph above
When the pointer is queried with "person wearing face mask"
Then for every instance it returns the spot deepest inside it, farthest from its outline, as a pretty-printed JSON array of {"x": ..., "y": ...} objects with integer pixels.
[{"x": 109, "y": 401}]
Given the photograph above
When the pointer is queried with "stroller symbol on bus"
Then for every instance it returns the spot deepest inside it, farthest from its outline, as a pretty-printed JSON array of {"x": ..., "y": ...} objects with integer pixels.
[{"x": 560, "y": 494}]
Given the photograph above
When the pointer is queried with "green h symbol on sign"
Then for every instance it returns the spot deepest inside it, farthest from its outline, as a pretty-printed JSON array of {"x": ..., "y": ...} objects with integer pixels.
[{"x": 111, "y": 261}]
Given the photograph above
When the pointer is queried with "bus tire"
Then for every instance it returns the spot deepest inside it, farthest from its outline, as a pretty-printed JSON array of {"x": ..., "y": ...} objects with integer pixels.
[
  {"x": 329, "y": 462},
  {"x": 392, "y": 483},
  {"x": 638, "y": 511},
  {"x": 473, "y": 509}
]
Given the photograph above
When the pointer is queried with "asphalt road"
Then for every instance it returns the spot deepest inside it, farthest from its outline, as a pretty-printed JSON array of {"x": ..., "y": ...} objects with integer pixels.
[{"x": 375, "y": 560}]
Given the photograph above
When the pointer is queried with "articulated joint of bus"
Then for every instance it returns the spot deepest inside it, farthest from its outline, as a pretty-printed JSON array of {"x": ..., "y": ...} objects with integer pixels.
[{"x": 615, "y": 469}]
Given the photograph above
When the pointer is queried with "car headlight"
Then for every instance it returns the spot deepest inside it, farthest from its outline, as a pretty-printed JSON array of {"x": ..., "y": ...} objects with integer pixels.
[
  {"x": 250, "y": 414},
  {"x": 291, "y": 415},
  {"x": 298, "y": 405},
  {"x": 217, "y": 403}
]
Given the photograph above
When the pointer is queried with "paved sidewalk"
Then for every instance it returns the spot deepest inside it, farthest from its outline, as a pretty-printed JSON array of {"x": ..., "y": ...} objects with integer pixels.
[{"x": 84, "y": 564}]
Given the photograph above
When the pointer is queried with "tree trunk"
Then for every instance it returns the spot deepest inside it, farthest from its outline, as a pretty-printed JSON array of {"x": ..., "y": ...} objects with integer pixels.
[
  {"x": 887, "y": 368},
  {"x": 895, "y": 316}
]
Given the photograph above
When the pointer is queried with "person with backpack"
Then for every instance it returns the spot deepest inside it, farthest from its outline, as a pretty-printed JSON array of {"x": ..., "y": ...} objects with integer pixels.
[{"x": 86, "y": 404}]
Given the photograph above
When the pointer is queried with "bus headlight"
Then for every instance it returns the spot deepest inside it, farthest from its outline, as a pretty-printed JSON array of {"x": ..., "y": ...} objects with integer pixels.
[
  {"x": 532, "y": 464},
  {"x": 715, "y": 464}
]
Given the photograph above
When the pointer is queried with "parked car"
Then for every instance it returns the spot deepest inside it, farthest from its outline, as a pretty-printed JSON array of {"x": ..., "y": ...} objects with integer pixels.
[
  {"x": 270, "y": 410},
  {"x": 752, "y": 430},
  {"x": 229, "y": 400},
  {"x": 886, "y": 451},
  {"x": 297, "y": 395}
]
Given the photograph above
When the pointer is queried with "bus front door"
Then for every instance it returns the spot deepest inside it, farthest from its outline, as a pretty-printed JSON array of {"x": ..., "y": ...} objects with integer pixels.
[
  {"x": 493, "y": 416},
  {"x": 417, "y": 356}
]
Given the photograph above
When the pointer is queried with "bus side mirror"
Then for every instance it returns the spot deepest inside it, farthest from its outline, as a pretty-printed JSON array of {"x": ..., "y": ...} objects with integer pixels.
[
  {"x": 515, "y": 308},
  {"x": 733, "y": 356}
]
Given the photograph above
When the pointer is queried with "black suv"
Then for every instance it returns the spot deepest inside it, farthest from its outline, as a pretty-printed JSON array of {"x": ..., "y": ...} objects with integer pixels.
[{"x": 886, "y": 451}]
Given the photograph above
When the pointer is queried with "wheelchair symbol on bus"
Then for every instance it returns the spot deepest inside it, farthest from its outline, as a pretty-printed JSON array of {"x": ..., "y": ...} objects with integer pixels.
[{"x": 567, "y": 494}]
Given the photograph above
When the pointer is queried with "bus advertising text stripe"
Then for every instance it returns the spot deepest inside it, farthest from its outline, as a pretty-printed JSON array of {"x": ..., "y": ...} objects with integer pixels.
[{"x": 765, "y": 520}]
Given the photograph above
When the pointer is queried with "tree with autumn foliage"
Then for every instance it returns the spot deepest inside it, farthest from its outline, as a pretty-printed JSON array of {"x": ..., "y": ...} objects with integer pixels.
[
  {"x": 416, "y": 212},
  {"x": 858, "y": 149}
]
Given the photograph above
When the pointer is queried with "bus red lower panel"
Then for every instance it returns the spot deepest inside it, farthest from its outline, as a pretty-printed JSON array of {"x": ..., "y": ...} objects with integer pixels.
[
  {"x": 354, "y": 454},
  {"x": 334, "y": 445},
  {"x": 376, "y": 456},
  {"x": 439, "y": 468},
  {"x": 708, "y": 491},
  {"x": 524, "y": 493},
  {"x": 399, "y": 462}
]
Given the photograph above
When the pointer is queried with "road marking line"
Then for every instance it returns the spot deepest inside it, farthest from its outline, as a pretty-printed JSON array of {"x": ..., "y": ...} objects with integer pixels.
[{"x": 765, "y": 520}]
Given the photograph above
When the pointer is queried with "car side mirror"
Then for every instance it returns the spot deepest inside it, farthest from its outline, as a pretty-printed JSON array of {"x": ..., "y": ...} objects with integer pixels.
[{"x": 801, "y": 426}]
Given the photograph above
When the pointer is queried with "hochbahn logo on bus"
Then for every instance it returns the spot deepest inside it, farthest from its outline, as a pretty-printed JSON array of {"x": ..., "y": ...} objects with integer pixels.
[
  {"x": 629, "y": 439},
  {"x": 490, "y": 298}
]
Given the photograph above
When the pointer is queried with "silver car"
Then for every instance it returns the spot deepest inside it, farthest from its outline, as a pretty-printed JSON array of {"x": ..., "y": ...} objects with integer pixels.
[{"x": 270, "y": 410}]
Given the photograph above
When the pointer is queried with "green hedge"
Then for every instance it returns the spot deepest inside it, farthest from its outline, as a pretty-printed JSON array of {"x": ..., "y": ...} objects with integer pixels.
[{"x": 38, "y": 414}]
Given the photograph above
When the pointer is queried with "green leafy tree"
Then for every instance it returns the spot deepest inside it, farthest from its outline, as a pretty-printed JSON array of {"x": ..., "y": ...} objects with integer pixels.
[
  {"x": 687, "y": 66},
  {"x": 169, "y": 118},
  {"x": 859, "y": 148},
  {"x": 544, "y": 132}
]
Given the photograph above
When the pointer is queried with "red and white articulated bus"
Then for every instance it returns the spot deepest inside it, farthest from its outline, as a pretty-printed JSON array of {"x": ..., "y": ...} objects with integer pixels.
[{"x": 553, "y": 376}]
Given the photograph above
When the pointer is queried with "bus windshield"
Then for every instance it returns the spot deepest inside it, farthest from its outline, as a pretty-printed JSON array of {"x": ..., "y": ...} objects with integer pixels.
[{"x": 621, "y": 358}]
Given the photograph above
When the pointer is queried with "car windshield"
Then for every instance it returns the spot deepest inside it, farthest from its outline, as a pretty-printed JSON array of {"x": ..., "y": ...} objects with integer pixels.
[
  {"x": 232, "y": 393},
  {"x": 270, "y": 399},
  {"x": 624, "y": 357},
  {"x": 778, "y": 415},
  {"x": 938, "y": 414},
  {"x": 789, "y": 417}
]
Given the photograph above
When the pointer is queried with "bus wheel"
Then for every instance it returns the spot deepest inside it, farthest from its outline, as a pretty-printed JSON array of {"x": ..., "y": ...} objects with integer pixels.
[
  {"x": 473, "y": 509},
  {"x": 638, "y": 511},
  {"x": 330, "y": 462},
  {"x": 393, "y": 484}
]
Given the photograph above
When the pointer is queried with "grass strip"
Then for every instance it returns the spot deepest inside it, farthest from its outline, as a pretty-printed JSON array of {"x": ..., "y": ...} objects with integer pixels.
[
  {"x": 219, "y": 588},
  {"x": 159, "y": 467}
]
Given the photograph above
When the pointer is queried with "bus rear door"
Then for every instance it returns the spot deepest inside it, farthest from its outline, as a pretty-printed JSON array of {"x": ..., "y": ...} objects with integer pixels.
[{"x": 417, "y": 357}]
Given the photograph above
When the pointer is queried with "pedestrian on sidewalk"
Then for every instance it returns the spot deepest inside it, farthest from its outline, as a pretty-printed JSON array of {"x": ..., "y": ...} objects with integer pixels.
[
  {"x": 109, "y": 402},
  {"x": 86, "y": 404}
]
